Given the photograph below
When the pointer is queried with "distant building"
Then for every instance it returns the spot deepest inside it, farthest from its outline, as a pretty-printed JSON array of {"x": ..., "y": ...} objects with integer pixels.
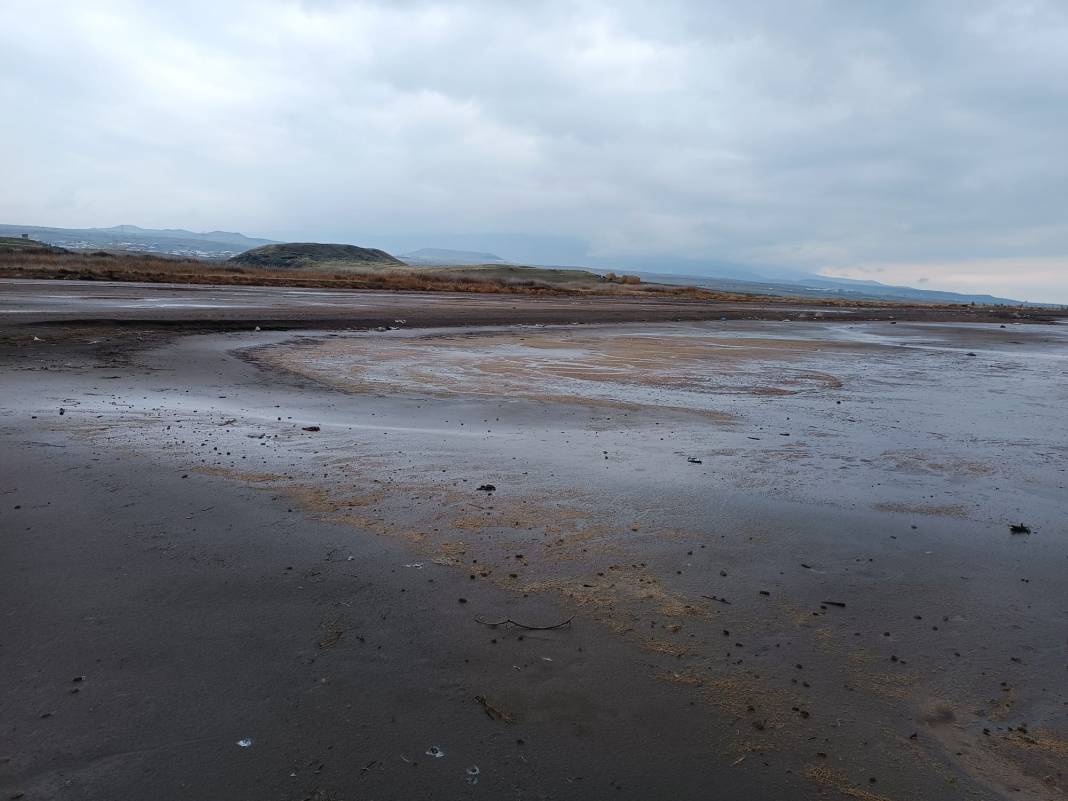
[{"x": 25, "y": 236}]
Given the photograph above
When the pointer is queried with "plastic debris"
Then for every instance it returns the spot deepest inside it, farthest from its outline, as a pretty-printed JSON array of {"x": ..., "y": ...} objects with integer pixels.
[
  {"x": 435, "y": 751},
  {"x": 245, "y": 742},
  {"x": 472, "y": 774}
]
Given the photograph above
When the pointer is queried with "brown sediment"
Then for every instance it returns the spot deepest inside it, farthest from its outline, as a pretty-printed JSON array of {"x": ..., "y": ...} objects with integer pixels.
[
  {"x": 889, "y": 685},
  {"x": 825, "y": 776},
  {"x": 1027, "y": 764},
  {"x": 579, "y": 368},
  {"x": 921, "y": 461},
  {"x": 1002, "y": 706},
  {"x": 935, "y": 510},
  {"x": 242, "y": 475},
  {"x": 745, "y": 698}
]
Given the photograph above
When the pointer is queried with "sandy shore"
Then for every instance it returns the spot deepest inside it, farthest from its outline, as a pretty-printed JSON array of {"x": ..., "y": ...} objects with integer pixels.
[{"x": 784, "y": 550}]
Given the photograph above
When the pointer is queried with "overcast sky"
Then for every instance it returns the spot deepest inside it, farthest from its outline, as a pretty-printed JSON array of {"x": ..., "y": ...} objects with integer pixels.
[{"x": 912, "y": 142}]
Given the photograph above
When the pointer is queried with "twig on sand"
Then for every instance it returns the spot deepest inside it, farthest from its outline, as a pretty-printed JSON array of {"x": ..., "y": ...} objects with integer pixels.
[
  {"x": 509, "y": 621},
  {"x": 494, "y": 712}
]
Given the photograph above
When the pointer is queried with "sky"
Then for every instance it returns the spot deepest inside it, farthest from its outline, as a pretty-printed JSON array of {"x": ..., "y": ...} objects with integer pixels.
[{"x": 908, "y": 142}]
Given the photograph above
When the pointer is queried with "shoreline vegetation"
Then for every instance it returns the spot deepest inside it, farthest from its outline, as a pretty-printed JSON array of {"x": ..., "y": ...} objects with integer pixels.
[
  {"x": 101, "y": 266},
  {"x": 21, "y": 258}
]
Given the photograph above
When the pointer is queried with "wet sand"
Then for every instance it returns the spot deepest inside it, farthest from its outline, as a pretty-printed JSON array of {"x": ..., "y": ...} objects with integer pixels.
[{"x": 783, "y": 547}]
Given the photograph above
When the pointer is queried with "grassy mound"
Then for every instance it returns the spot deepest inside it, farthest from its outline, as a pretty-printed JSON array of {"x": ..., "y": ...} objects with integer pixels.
[
  {"x": 305, "y": 255},
  {"x": 16, "y": 244}
]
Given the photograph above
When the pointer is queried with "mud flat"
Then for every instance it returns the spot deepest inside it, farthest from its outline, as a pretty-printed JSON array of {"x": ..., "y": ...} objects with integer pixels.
[
  {"x": 208, "y": 307},
  {"x": 713, "y": 558}
]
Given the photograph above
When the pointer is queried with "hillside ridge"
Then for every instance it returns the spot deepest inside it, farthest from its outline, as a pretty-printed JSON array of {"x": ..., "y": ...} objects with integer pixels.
[{"x": 296, "y": 255}]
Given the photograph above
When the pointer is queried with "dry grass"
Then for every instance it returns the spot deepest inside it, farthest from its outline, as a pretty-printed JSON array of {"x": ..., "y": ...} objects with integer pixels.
[
  {"x": 149, "y": 268},
  {"x": 22, "y": 262},
  {"x": 104, "y": 266}
]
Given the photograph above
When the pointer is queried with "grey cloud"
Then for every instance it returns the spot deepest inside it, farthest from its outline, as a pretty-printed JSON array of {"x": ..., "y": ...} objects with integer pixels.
[{"x": 805, "y": 134}]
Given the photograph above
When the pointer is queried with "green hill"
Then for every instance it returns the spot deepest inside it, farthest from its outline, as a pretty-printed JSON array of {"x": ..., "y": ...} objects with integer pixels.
[
  {"x": 16, "y": 244},
  {"x": 313, "y": 255}
]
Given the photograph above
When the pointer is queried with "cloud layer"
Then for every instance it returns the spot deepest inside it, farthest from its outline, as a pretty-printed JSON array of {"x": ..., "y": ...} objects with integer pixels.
[{"x": 877, "y": 140}]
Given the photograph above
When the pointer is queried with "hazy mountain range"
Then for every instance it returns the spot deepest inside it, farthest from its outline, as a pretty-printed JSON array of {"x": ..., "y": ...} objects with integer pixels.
[
  {"x": 445, "y": 257},
  {"x": 745, "y": 279},
  {"x": 168, "y": 241},
  {"x": 817, "y": 286}
]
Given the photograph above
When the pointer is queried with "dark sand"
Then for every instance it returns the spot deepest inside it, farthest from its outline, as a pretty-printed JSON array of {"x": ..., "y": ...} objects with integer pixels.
[{"x": 216, "y": 573}]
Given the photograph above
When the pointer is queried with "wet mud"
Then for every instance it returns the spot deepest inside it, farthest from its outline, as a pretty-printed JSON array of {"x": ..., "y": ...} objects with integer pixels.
[{"x": 740, "y": 558}]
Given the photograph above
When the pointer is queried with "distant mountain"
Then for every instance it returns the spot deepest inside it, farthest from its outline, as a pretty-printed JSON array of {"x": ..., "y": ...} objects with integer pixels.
[
  {"x": 312, "y": 255},
  {"x": 706, "y": 268},
  {"x": 814, "y": 286},
  {"x": 768, "y": 279},
  {"x": 229, "y": 237},
  {"x": 443, "y": 256},
  {"x": 170, "y": 241}
]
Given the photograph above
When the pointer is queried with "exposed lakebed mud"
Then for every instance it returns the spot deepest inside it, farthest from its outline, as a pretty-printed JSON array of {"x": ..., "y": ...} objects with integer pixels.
[{"x": 798, "y": 531}]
